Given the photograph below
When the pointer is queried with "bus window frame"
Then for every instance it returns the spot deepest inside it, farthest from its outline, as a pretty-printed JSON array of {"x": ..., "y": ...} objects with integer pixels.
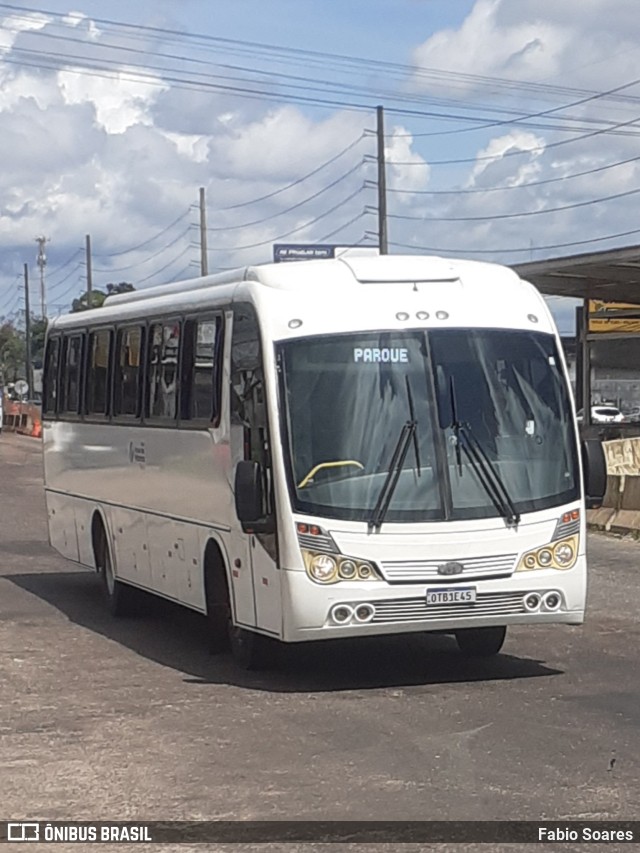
[
  {"x": 146, "y": 418},
  {"x": 187, "y": 372},
  {"x": 66, "y": 414},
  {"x": 122, "y": 418},
  {"x": 97, "y": 417},
  {"x": 52, "y": 415}
]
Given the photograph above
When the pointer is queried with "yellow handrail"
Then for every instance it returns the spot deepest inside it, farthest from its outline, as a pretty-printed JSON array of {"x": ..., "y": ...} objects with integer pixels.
[{"x": 339, "y": 464}]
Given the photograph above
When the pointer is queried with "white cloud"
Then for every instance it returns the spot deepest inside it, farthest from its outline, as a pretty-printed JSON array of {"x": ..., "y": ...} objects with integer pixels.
[{"x": 119, "y": 102}]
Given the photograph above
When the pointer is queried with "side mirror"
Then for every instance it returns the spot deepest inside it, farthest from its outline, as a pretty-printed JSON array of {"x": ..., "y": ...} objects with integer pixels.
[
  {"x": 248, "y": 492},
  {"x": 594, "y": 467}
]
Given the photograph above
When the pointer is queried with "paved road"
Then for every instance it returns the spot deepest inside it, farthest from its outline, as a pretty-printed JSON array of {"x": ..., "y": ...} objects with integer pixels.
[{"x": 104, "y": 719}]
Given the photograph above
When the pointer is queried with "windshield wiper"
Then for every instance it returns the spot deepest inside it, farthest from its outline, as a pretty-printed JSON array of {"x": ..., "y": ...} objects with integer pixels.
[
  {"x": 393, "y": 475},
  {"x": 412, "y": 415},
  {"x": 408, "y": 432},
  {"x": 490, "y": 479}
]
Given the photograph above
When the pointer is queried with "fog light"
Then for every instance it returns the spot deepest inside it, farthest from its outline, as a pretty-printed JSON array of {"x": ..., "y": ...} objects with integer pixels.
[
  {"x": 552, "y": 601},
  {"x": 531, "y": 602},
  {"x": 364, "y": 613},
  {"x": 341, "y": 614}
]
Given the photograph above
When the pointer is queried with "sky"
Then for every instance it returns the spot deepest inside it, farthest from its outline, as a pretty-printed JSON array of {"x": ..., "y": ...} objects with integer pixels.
[{"x": 510, "y": 133}]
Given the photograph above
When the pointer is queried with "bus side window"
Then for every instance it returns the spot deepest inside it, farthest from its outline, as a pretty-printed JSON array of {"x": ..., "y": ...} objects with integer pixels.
[
  {"x": 162, "y": 396},
  {"x": 50, "y": 377},
  {"x": 97, "y": 390},
  {"x": 126, "y": 391},
  {"x": 71, "y": 374},
  {"x": 201, "y": 374}
]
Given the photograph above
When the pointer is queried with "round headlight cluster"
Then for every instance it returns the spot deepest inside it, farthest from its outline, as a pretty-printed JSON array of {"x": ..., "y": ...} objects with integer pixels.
[
  {"x": 545, "y": 557},
  {"x": 556, "y": 555},
  {"x": 563, "y": 553},
  {"x": 330, "y": 568},
  {"x": 323, "y": 568},
  {"x": 347, "y": 570}
]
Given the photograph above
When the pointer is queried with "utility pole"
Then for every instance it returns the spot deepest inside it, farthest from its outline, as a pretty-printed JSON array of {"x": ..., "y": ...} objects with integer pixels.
[
  {"x": 88, "y": 259},
  {"x": 204, "y": 262},
  {"x": 42, "y": 262},
  {"x": 27, "y": 325},
  {"x": 382, "y": 185}
]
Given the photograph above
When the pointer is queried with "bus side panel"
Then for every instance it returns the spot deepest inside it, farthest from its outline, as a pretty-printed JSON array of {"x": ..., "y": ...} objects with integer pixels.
[
  {"x": 62, "y": 525},
  {"x": 129, "y": 531},
  {"x": 266, "y": 582}
]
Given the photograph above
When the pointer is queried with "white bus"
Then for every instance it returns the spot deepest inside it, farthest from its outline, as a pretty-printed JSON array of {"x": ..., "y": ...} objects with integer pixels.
[{"x": 324, "y": 449}]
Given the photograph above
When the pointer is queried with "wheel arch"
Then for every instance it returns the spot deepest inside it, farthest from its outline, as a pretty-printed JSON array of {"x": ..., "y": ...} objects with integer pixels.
[
  {"x": 100, "y": 537},
  {"x": 216, "y": 570}
]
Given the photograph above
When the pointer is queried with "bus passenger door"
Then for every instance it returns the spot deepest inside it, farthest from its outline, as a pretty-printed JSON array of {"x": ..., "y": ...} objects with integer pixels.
[{"x": 250, "y": 441}]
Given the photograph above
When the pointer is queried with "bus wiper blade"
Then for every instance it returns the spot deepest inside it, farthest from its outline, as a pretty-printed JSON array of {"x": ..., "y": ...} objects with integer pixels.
[
  {"x": 393, "y": 475},
  {"x": 412, "y": 415},
  {"x": 490, "y": 479}
]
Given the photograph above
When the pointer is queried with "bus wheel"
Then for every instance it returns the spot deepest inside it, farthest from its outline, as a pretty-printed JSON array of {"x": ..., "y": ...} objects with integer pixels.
[
  {"x": 481, "y": 642},
  {"x": 120, "y": 598},
  {"x": 218, "y": 610},
  {"x": 249, "y": 650}
]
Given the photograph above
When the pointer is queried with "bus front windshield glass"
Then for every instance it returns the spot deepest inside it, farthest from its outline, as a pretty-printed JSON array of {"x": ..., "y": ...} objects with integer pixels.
[{"x": 461, "y": 423}]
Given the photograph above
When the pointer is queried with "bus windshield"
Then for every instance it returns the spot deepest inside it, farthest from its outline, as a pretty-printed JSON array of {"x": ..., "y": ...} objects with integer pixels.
[{"x": 363, "y": 411}]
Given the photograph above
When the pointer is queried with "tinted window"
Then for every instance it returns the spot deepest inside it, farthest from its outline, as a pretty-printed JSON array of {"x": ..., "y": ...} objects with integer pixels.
[
  {"x": 201, "y": 369},
  {"x": 72, "y": 374},
  {"x": 97, "y": 395},
  {"x": 50, "y": 378},
  {"x": 126, "y": 392},
  {"x": 164, "y": 345}
]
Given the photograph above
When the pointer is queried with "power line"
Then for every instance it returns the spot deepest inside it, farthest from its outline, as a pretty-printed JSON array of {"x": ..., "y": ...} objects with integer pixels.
[
  {"x": 517, "y": 215},
  {"x": 292, "y": 231},
  {"x": 145, "y": 242},
  {"x": 514, "y": 186},
  {"x": 342, "y": 227},
  {"x": 293, "y": 206},
  {"x": 166, "y": 266},
  {"x": 512, "y": 251},
  {"x": 146, "y": 260},
  {"x": 298, "y": 181}
]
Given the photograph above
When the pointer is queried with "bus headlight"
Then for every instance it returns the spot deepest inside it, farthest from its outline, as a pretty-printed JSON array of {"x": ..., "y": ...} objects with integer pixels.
[
  {"x": 331, "y": 568},
  {"x": 323, "y": 568},
  {"x": 556, "y": 555}
]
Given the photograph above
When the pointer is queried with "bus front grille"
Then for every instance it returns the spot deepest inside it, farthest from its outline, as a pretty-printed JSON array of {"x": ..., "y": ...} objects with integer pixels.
[
  {"x": 415, "y": 571},
  {"x": 417, "y": 609}
]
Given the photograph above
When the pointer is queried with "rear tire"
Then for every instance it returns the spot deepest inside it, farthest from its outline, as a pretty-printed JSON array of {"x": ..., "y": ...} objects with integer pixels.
[{"x": 481, "y": 642}]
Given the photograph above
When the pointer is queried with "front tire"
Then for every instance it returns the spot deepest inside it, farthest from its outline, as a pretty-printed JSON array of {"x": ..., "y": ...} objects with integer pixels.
[
  {"x": 249, "y": 650},
  {"x": 119, "y": 597},
  {"x": 481, "y": 642}
]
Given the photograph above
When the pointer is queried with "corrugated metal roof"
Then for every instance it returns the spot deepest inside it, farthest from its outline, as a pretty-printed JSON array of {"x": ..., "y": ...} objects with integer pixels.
[{"x": 612, "y": 275}]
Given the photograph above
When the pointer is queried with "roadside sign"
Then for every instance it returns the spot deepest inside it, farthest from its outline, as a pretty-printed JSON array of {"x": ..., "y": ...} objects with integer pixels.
[
  {"x": 283, "y": 252},
  {"x": 286, "y": 252}
]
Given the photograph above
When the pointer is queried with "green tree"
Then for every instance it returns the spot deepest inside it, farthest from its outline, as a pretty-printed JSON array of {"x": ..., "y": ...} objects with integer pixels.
[
  {"x": 38, "y": 333},
  {"x": 12, "y": 352},
  {"x": 121, "y": 287},
  {"x": 89, "y": 299}
]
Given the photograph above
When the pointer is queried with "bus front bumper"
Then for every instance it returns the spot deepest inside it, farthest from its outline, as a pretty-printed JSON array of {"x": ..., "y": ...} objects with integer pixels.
[{"x": 315, "y": 612}]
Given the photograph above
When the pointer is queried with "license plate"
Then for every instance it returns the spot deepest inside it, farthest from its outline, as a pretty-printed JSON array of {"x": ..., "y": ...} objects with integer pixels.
[{"x": 452, "y": 595}]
